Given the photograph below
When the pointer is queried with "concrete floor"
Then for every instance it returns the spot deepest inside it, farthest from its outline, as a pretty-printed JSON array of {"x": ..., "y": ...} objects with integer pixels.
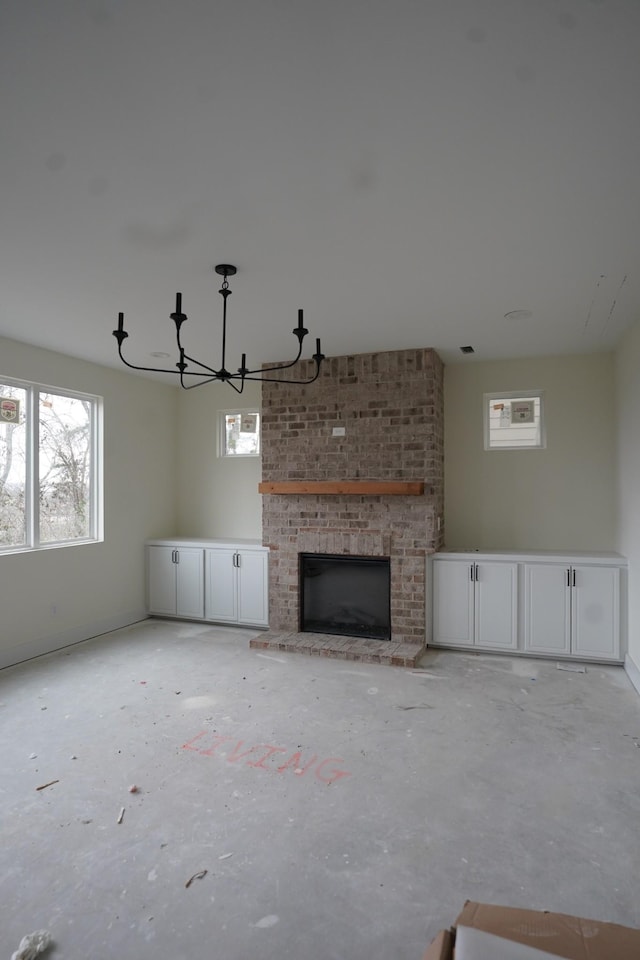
[{"x": 341, "y": 811}]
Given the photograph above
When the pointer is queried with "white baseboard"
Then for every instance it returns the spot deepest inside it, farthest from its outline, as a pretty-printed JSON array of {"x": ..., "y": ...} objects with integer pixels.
[
  {"x": 36, "y": 648},
  {"x": 632, "y": 671}
]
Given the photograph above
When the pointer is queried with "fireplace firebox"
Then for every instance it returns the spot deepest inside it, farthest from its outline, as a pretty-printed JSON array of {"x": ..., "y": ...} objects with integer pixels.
[{"x": 345, "y": 596}]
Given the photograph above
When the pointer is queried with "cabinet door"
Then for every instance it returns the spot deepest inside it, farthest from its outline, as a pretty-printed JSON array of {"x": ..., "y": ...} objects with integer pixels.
[
  {"x": 453, "y": 602},
  {"x": 252, "y": 571},
  {"x": 547, "y": 608},
  {"x": 496, "y": 605},
  {"x": 221, "y": 599},
  {"x": 189, "y": 582},
  {"x": 162, "y": 581},
  {"x": 595, "y": 602}
]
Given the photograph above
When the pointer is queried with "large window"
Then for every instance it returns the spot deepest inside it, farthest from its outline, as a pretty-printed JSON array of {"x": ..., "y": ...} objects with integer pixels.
[{"x": 50, "y": 466}]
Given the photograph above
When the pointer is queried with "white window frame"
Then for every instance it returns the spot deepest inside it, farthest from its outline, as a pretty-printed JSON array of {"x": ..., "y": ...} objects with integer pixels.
[
  {"x": 222, "y": 432},
  {"x": 32, "y": 479},
  {"x": 491, "y": 399}
]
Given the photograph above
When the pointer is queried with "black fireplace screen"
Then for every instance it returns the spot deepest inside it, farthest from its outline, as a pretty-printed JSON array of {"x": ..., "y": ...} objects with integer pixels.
[{"x": 345, "y": 595}]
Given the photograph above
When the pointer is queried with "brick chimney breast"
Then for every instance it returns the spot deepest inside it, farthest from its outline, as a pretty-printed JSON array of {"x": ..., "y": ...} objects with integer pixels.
[{"x": 391, "y": 408}]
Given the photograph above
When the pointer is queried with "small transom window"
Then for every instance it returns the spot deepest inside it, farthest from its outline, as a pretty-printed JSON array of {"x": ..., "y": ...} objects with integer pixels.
[
  {"x": 239, "y": 433},
  {"x": 514, "y": 421}
]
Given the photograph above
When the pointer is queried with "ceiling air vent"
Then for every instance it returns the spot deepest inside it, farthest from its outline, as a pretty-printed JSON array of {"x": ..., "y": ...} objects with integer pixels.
[{"x": 467, "y": 350}]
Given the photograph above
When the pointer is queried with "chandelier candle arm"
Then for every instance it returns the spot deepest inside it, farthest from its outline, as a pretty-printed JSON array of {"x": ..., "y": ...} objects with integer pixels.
[
  {"x": 178, "y": 317},
  {"x": 208, "y": 374},
  {"x": 300, "y": 331}
]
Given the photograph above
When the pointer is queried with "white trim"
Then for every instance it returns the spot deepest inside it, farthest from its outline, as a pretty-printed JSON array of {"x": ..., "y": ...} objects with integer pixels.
[
  {"x": 633, "y": 672},
  {"x": 43, "y": 645}
]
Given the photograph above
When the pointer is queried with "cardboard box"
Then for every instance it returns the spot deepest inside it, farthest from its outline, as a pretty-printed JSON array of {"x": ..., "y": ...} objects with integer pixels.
[{"x": 545, "y": 934}]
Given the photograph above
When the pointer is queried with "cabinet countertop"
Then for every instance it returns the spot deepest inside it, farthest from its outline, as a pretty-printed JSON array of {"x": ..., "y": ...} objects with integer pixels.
[
  {"x": 210, "y": 542},
  {"x": 534, "y": 556}
]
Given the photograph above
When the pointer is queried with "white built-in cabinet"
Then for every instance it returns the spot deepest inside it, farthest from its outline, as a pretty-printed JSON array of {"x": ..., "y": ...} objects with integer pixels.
[
  {"x": 475, "y": 604},
  {"x": 572, "y": 609},
  {"x": 176, "y": 581},
  {"x": 236, "y": 588},
  {"x": 222, "y": 581},
  {"x": 534, "y": 603}
]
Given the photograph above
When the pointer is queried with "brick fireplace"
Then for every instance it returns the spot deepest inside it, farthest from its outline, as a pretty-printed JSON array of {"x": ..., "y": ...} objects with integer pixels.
[{"x": 388, "y": 408}]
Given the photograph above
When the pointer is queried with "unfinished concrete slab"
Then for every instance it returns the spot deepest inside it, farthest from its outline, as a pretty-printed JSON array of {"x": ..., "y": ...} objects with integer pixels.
[{"x": 292, "y": 806}]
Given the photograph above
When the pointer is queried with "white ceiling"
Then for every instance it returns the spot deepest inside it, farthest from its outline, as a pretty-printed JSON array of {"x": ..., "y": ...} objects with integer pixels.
[{"x": 408, "y": 172}]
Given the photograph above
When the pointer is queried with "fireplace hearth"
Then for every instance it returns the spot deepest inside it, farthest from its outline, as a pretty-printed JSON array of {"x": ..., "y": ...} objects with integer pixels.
[{"x": 345, "y": 596}]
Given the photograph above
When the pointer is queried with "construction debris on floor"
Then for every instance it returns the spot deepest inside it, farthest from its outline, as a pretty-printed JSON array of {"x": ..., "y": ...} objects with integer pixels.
[
  {"x": 290, "y": 806},
  {"x": 489, "y": 932}
]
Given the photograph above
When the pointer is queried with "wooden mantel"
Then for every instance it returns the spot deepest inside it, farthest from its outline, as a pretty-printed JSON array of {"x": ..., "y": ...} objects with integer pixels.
[{"x": 363, "y": 488}]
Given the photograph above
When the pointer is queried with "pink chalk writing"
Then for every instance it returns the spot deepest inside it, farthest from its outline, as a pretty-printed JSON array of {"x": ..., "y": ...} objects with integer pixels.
[{"x": 265, "y": 756}]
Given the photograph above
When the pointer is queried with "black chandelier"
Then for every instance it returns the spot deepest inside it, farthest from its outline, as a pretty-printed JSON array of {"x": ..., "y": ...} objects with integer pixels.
[{"x": 206, "y": 374}]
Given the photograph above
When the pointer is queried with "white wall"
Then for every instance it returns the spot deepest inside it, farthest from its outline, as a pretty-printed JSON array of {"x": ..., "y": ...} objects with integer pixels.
[
  {"x": 560, "y": 498},
  {"x": 100, "y": 586},
  {"x": 628, "y": 436},
  {"x": 218, "y": 496}
]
